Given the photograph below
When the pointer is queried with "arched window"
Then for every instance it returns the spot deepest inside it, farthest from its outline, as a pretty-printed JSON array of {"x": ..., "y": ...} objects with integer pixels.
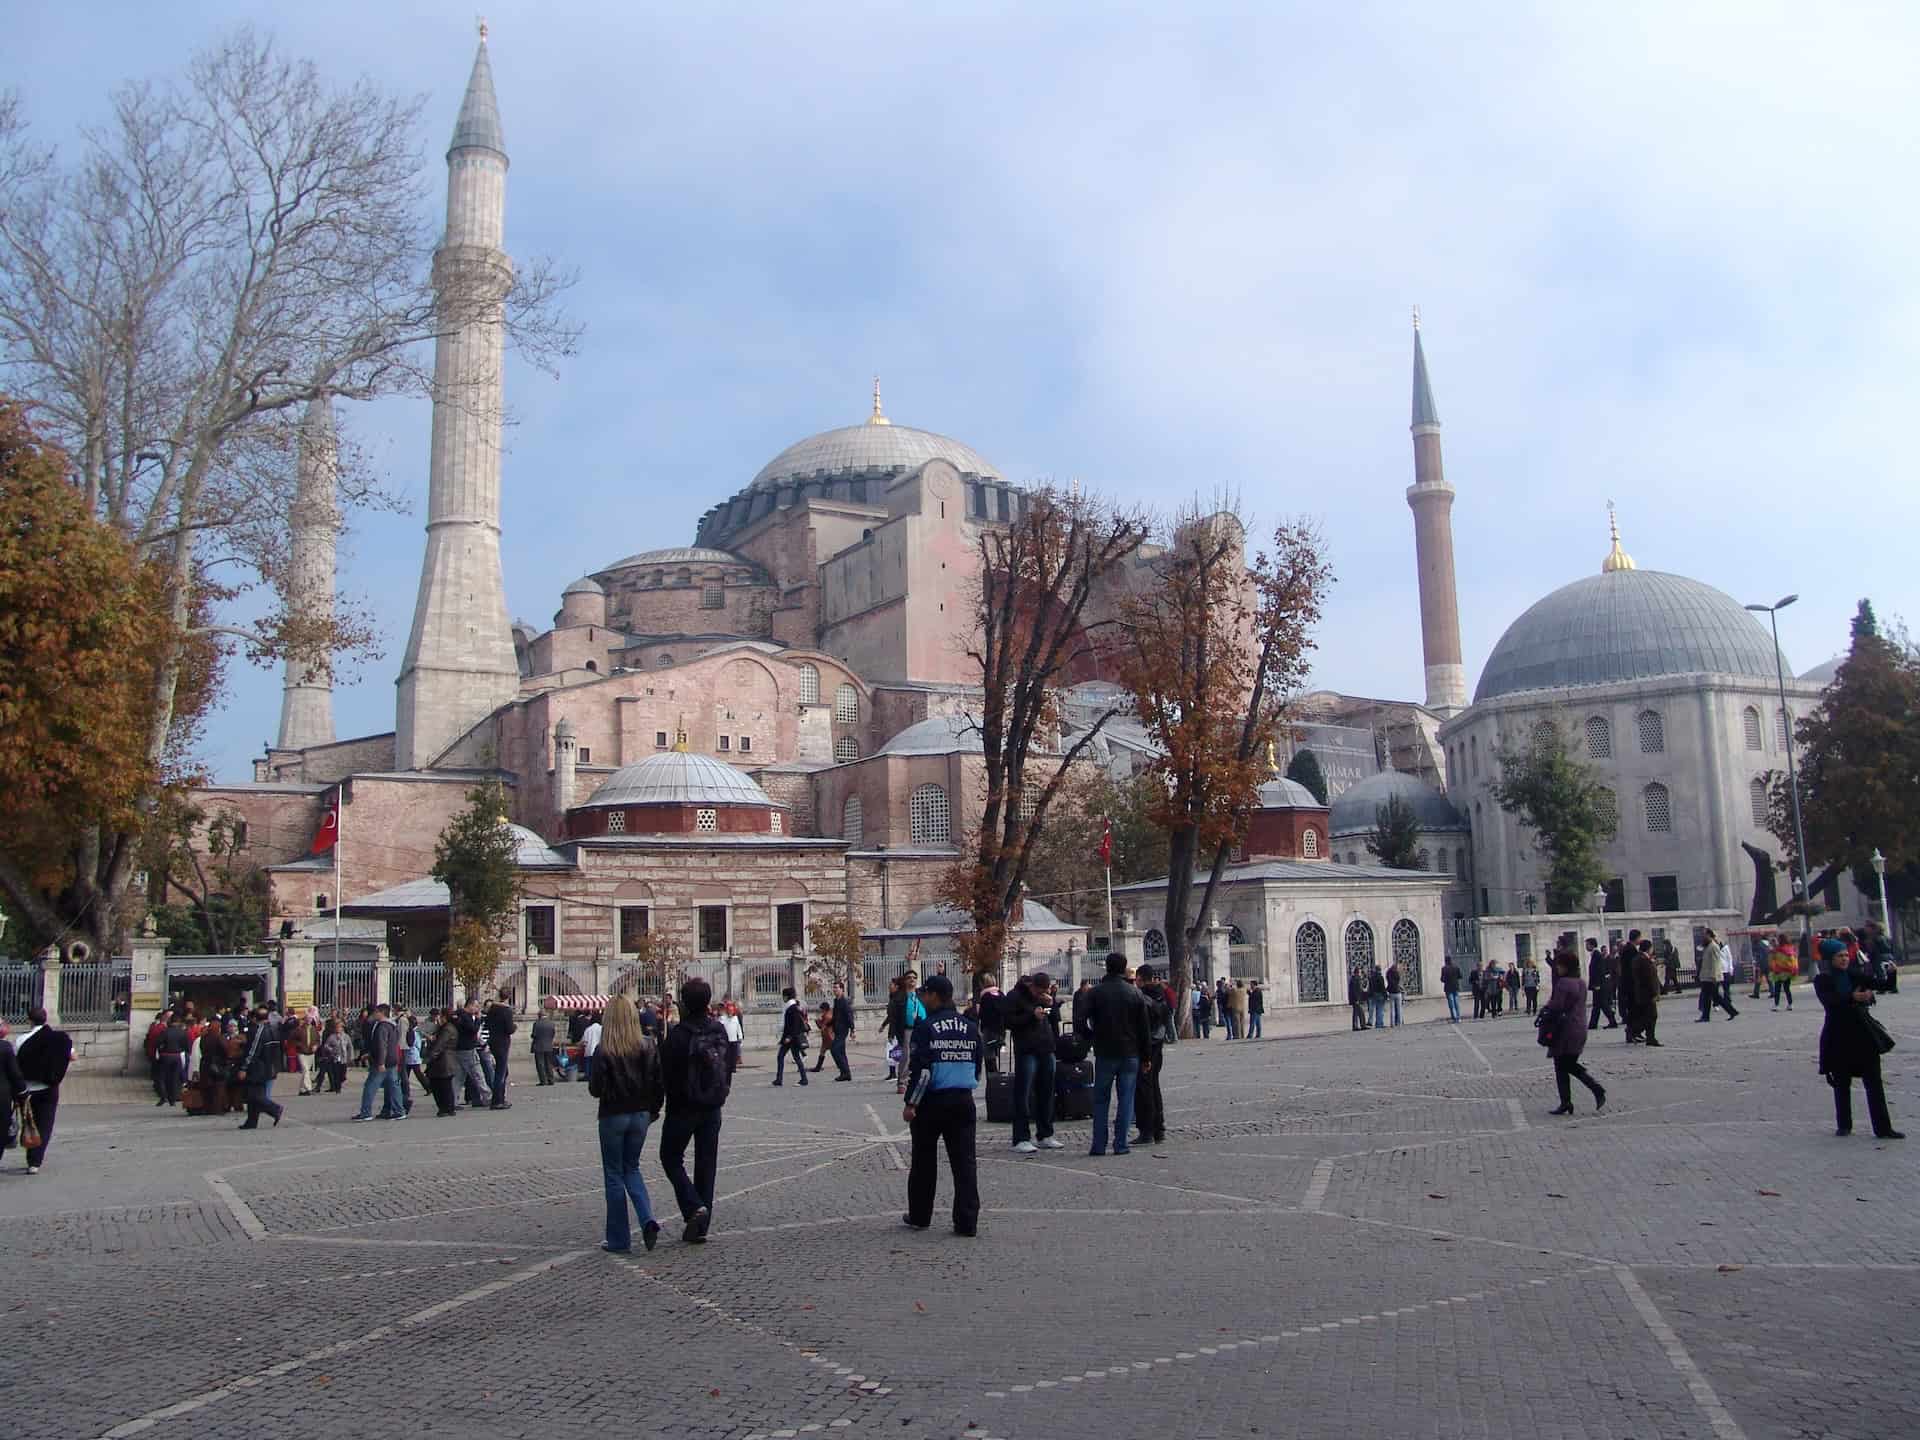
[
  {"x": 846, "y": 748},
  {"x": 1359, "y": 946},
  {"x": 1310, "y": 962},
  {"x": 1659, "y": 808},
  {"x": 1757, "y": 792},
  {"x": 1543, "y": 733},
  {"x": 1406, "y": 954},
  {"x": 928, "y": 817},
  {"x": 594, "y": 666},
  {"x": 1235, "y": 935},
  {"x": 1606, "y": 809},
  {"x": 1599, "y": 738},
  {"x": 664, "y": 661},
  {"x": 846, "y": 705},
  {"x": 1653, "y": 733},
  {"x": 1446, "y": 861},
  {"x": 1154, "y": 945},
  {"x": 1310, "y": 843},
  {"x": 1750, "y": 722},
  {"x": 1473, "y": 751},
  {"x": 1783, "y": 728},
  {"x": 713, "y": 596},
  {"x": 683, "y": 577},
  {"x": 853, "y": 827},
  {"x": 1423, "y": 861},
  {"x": 809, "y": 685}
]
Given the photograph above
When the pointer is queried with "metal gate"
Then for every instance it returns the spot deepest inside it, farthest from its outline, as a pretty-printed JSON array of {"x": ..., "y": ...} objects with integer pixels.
[
  {"x": 19, "y": 989},
  {"x": 94, "y": 992},
  {"x": 420, "y": 986},
  {"x": 342, "y": 986}
]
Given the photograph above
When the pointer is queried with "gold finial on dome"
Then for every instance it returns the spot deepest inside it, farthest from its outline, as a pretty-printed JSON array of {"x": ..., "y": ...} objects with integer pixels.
[
  {"x": 680, "y": 736},
  {"x": 1617, "y": 559},
  {"x": 1273, "y": 765},
  {"x": 878, "y": 417}
]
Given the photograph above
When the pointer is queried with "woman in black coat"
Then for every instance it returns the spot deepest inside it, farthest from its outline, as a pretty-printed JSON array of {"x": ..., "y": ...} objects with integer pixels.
[
  {"x": 13, "y": 1086},
  {"x": 1849, "y": 1043}
]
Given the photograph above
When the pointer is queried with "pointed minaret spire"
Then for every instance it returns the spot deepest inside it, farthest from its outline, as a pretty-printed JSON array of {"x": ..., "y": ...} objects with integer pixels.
[
  {"x": 306, "y": 697},
  {"x": 460, "y": 666},
  {"x": 878, "y": 417},
  {"x": 1617, "y": 559},
  {"x": 1432, "y": 500}
]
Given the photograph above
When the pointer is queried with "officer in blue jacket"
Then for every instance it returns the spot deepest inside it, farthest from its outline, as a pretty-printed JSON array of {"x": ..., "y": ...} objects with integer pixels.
[{"x": 945, "y": 1060}]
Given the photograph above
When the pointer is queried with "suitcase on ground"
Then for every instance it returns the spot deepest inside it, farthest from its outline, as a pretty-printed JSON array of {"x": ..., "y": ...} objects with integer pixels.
[
  {"x": 1000, "y": 1099},
  {"x": 1073, "y": 1090},
  {"x": 1068, "y": 1049}
]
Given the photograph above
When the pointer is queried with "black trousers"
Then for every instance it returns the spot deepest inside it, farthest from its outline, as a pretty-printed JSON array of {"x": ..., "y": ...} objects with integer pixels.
[
  {"x": 543, "y": 1066},
  {"x": 1602, "y": 1005},
  {"x": 702, "y": 1127},
  {"x": 1876, "y": 1101},
  {"x": 1359, "y": 1015},
  {"x": 944, "y": 1117},
  {"x": 259, "y": 1104},
  {"x": 1567, "y": 1069},
  {"x": 499, "y": 1073},
  {"x": 442, "y": 1088},
  {"x": 44, "y": 1104},
  {"x": 1149, "y": 1107},
  {"x": 789, "y": 1047},
  {"x": 169, "y": 1079}
]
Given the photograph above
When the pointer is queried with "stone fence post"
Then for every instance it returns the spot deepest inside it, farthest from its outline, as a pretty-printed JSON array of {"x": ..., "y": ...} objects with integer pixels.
[
  {"x": 146, "y": 992},
  {"x": 50, "y": 983}
]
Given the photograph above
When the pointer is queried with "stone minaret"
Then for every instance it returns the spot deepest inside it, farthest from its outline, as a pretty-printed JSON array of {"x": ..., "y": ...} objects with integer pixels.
[
  {"x": 306, "y": 698},
  {"x": 1432, "y": 500},
  {"x": 460, "y": 664}
]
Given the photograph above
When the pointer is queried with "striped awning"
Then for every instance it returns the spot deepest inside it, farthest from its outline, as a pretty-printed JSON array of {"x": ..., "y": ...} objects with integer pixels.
[{"x": 577, "y": 1002}]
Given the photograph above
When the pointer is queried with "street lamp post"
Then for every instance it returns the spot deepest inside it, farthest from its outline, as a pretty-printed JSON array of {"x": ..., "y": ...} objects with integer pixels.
[
  {"x": 1880, "y": 870},
  {"x": 1772, "y": 613}
]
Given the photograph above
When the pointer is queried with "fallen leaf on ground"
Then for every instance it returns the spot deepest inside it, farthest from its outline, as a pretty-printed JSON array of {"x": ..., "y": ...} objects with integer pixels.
[
  {"x": 1435, "y": 1195},
  {"x": 1555, "y": 1195},
  {"x": 918, "y": 1306},
  {"x": 1774, "y": 1193},
  {"x": 1729, "y": 1269}
]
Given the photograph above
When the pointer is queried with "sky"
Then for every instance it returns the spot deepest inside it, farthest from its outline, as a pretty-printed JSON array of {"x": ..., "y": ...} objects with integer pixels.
[{"x": 1662, "y": 254}]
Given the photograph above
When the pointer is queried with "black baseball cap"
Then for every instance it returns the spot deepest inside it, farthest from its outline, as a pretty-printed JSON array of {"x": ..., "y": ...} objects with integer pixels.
[{"x": 938, "y": 985}]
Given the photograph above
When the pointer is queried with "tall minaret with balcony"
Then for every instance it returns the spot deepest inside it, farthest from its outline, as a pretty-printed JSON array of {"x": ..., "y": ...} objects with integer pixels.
[
  {"x": 306, "y": 697},
  {"x": 1431, "y": 499},
  {"x": 460, "y": 664}
]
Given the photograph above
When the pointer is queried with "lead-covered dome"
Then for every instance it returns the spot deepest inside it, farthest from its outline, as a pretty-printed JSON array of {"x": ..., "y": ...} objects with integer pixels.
[
  {"x": 677, "y": 778},
  {"x": 862, "y": 449},
  {"x": 951, "y": 734},
  {"x": 1355, "y": 808},
  {"x": 1280, "y": 793},
  {"x": 1624, "y": 625}
]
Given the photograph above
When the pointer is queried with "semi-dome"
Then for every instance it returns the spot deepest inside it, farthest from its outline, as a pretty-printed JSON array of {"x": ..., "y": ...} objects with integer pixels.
[
  {"x": 938, "y": 735},
  {"x": 859, "y": 449},
  {"x": 935, "y": 919},
  {"x": 585, "y": 585},
  {"x": 1354, "y": 809},
  {"x": 677, "y": 778},
  {"x": 1624, "y": 625},
  {"x": 678, "y": 555},
  {"x": 1825, "y": 673},
  {"x": 1281, "y": 793}
]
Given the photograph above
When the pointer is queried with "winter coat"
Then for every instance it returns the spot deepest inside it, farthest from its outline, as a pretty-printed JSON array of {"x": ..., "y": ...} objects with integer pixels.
[
  {"x": 1646, "y": 987},
  {"x": 1568, "y": 1005},
  {"x": 1847, "y": 1047},
  {"x": 440, "y": 1062}
]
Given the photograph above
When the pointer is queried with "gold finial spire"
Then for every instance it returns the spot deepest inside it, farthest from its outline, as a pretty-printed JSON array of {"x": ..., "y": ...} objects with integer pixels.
[
  {"x": 680, "y": 735},
  {"x": 1273, "y": 765},
  {"x": 878, "y": 417},
  {"x": 1617, "y": 559}
]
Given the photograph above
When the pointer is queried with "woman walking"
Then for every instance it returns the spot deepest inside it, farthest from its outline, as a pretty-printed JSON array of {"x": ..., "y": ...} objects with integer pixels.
[
  {"x": 1783, "y": 965},
  {"x": 1563, "y": 1026},
  {"x": 441, "y": 1064},
  {"x": 628, "y": 1084},
  {"x": 1851, "y": 1042},
  {"x": 823, "y": 1022},
  {"x": 215, "y": 1070},
  {"x": 335, "y": 1051}
]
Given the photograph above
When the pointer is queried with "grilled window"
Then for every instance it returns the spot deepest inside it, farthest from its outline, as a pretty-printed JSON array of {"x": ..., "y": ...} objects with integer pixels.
[
  {"x": 1757, "y": 793},
  {"x": 1653, "y": 733},
  {"x": 1599, "y": 738},
  {"x": 846, "y": 705},
  {"x": 928, "y": 816},
  {"x": 634, "y": 920},
  {"x": 846, "y": 748},
  {"x": 1659, "y": 807},
  {"x": 616, "y": 822},
  {"x": 809, "y": 685},
  {"x": 852, "y": 821},
  {"x": 1750, "y": 721},
  {"x": 706, "y": 822}
]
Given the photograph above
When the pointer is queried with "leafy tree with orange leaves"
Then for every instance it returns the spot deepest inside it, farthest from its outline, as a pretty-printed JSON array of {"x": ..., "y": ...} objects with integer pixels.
[{"x": 1212, "y": 654}]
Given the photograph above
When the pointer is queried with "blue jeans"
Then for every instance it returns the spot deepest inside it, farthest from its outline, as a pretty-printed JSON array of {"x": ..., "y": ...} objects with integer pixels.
[
  {"x": 1253, "y": 1024},
  {"x": 1394, "y": 1001},
  {"x": 374, "y": 1087},
  {"x": 1378, "y": 1005},
  {"x": 1033, "y": 1091},
  {"x": 622, "y": 1138},
  {"x": 1453, "y": 1006},
  {"x": 1105, "y": 1073}
]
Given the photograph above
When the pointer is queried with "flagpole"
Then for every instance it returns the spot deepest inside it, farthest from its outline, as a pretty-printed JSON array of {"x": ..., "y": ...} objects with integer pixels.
[
  {"x": 339, "y": 846},
  {"x": 1109, "y": 870}
]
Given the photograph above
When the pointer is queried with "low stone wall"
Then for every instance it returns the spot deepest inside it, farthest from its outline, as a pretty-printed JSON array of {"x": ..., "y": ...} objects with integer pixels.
[{"x": 98, "y": 1049}]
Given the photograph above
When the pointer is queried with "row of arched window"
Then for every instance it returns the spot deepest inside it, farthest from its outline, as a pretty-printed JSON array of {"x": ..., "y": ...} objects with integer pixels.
[
  {"x": 1310, "y": 959},
  {"x": 1650, "y": 731},
  {"x": 929, "y": 819},
  {"x": 1450, "y": 861}
]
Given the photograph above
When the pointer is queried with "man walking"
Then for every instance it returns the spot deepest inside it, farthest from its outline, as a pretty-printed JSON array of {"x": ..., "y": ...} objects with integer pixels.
[
  {"x": 303, "y": 1044},
  {"x": 793, "y": 1039},
  {"x": 543, "y": 1042},
  {"x": 260, "y": 1064},
  {"x": 945, "y": 1061},
  {"x": 1644, "y": 1015},
  {"x": 1024, "y": 1010},
  {"x": 1116, "y": 1029},
  {"x": 383, "y": 1068},
  {"x": 500, "y": 1028},
  {"x": 696, "y": 1067},
  {"x": 466, "y": 1055},
  {"x": 1450, "y": 987},
  {"x": 1600, "y": 985},
  {"x": 44, "y": 1054},
  {"x": 1716, "y": 979},
  {"x": 842, "y": 1031}
]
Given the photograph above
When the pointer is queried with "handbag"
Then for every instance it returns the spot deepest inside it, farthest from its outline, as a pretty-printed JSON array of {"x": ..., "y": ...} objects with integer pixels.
[
  {"x": 29, "y": 1132},
  {"x": 1882, "y": 1041},
  {"x": 1547, "y": 1027}
]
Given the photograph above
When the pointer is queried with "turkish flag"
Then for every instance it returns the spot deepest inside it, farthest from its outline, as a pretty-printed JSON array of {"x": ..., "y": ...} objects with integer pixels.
[
  {"x": 328, "y": 834},
  {"x": 1106, "y": 843}
]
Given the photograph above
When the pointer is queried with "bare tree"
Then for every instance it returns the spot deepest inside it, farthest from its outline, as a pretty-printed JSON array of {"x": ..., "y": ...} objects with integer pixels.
[
  {"x": 1037, "y": 629},
  {"x": 223, "y": 251}
]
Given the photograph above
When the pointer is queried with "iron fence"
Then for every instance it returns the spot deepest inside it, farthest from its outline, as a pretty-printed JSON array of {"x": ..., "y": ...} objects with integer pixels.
[
  {"x": 761, "y": 983},
  {"x": 19, "y": 989},
  {"x": 93, "y": 992},
  {"x": 420, "y": 986},
  {"x": 556, "y": 981},
  {"x": 342, "y": 986}
]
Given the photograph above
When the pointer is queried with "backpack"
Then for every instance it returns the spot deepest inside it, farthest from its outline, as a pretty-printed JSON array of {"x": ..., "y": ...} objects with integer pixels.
[{"x": 709, "y": 1067}]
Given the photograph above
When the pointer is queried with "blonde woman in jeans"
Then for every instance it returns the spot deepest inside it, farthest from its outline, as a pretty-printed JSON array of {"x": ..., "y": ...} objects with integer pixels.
[{"x": 627, "y": 1082}]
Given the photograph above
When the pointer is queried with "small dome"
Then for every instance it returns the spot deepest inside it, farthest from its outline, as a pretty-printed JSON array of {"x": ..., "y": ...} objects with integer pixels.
[
  {"x": 938, "y": 735},
  {"x": 1281, "y": 793},
  {"x": 585, "y": 585},
  {"x": 677, "y": 778},
  {"x": 859, "y": 449},
  {"x": 677, "y": 555},
  {"x": 1824, "y": 674},
  {"x": 1353, "y": 809},
  {"x": 530, "y": 852},
  {"x": 935, "y": 918},
  {"x": 1626, "y": 625}
]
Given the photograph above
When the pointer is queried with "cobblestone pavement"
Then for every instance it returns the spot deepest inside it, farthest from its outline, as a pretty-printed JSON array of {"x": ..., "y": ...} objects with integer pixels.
[{"x": 1381, "y": 1234}]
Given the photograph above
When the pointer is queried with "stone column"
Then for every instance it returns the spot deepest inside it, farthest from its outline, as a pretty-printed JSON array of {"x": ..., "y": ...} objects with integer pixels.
[
  {"x": 146, "y": 993},
  {"x": 531, "y": 1004},
  {"x": 1128, "y": 941},
  {"x": 50, "y": 983},
  {"x": 382, "y": 976},
  {"x": 296, "y": 974}
]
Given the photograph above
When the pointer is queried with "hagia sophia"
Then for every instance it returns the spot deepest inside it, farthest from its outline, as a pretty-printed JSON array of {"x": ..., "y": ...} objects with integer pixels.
[{"x": 726, "y": 739}]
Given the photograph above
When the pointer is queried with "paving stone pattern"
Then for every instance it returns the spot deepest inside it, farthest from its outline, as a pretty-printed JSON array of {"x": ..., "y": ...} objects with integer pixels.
[{"x": 1379, "y": 1234}]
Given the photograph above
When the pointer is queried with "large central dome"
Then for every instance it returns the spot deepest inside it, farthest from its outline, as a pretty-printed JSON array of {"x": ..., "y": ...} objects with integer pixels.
[
  {"x": 857, "y": 449},
  {"x": 1623, "y": 625}
]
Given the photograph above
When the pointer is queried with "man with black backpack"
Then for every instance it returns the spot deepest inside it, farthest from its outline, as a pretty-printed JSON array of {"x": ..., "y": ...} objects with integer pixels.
[{"x": 697, "y": 1066}]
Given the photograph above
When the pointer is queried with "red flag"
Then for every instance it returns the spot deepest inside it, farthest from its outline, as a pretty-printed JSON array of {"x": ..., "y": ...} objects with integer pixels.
[
  {"x": 328, "y": 834},
  {"x": 1106, "y": 843}
]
